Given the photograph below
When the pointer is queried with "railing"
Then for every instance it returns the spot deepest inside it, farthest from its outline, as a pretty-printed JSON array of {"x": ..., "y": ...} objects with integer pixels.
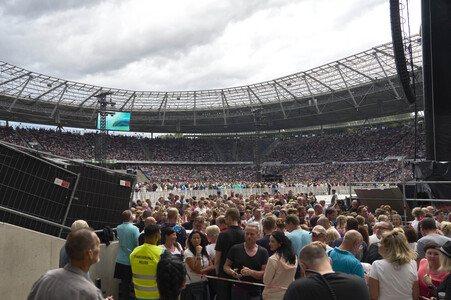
[{"x": 246, "y": 192}]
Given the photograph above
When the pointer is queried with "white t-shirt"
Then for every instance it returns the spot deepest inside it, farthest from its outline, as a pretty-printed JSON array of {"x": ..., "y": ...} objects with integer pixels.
[
  {"x": 176, "y": 251},
  {"x": 211, "y": 251},
  {"x": 190, "y": 275},
  {"x": 201, "y": 210},
  {"x": 373, "y": 239},
  {"x": 414, "y": 224},
  {"x": 395, "y": 281}
]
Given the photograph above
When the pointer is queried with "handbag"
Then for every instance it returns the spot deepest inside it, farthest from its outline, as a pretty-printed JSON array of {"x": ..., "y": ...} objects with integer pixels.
[{"x": 192, "y": 289}]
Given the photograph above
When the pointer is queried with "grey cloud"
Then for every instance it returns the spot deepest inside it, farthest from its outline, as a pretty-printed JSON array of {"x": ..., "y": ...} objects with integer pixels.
[
  {"x": 65, "y": 42},
  {"x": 37, "y": 8}
]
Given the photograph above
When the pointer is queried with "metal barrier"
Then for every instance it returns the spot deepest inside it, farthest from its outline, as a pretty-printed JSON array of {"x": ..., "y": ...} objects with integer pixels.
[{"x": 246, "y": 192}]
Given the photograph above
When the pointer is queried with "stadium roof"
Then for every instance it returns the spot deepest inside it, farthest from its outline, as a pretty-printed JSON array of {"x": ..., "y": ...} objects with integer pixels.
[{"x": 358, "y": 87}]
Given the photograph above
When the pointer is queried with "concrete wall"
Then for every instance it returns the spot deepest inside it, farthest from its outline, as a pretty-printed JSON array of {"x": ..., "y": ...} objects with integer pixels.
[{"x": 26, "y": 254}]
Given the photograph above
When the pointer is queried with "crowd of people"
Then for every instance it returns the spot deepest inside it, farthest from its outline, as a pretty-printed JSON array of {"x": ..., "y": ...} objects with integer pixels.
[
  {"x": 181, "y": 178},
  {"x": 363, "y": 144},
  {"x": 333, "y": 158},
  {"x": 271, "y": 246},
  {"x": 360, "y": 144}
]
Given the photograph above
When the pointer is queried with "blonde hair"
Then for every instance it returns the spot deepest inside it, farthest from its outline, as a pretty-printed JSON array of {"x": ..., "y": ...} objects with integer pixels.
[
  {"x": 417, "y": 212},
  {"x": 446, "y": 228},
  {"x": 397, "y": 248},
  {"x": 255, "y": 225},
  {"x": 331, "y": 236},
  {"x": 383, "y": 218},
  {"x": 79, "y": 224},
  {"x": 445, "y": 263},
  {"x": 341, "y": 222},
  {"x": 213, "y": 229}
]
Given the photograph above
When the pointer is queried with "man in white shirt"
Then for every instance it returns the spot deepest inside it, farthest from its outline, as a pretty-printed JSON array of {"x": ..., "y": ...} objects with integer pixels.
[{"x": 379, "y": 229}]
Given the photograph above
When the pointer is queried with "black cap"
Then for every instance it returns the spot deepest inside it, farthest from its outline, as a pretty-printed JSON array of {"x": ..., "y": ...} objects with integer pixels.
[{"x": 446, "y": 249}]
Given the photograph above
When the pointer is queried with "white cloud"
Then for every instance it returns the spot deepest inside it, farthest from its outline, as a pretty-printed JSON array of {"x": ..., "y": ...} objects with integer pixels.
[{"x": 188, "y": 45}]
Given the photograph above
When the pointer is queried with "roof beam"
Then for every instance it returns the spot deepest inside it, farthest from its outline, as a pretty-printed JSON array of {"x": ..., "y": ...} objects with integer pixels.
[
  {"x": 354, "y": 70},
  {"x": 94, "y": 110},
  {"x": 386, "y": 76},
  {"x": 15, "y": 78},
  {"x": 57, "y": 103},
  {"x": 163, "y": 106},
  {"x": 133, "y": 95},
  {"x": 365, "y": 95},
  {"x": 346, "y": 85},
  {"x": 250, "y": 97},
  {"x": 223, "y": 106},
  {"x": 194, "y": 109},
  {"x": 280, "y": 102},
  {"x": 92, "y": 95},
  {"x": 49, "y": 91},
  {"x": 392, "y": 56},
  {"x": 314, "y": 101},
  {"x": 286, "y": 90},
  {"x": 320, "y": 82},
  {"x": 133, "y": 102},
  {"x": 249, "y": 89},
  {"x": 20, "y": 93}
]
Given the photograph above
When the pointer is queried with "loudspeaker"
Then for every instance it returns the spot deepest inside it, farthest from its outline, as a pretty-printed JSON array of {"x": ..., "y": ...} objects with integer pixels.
[{"x": 398, "y": 49}]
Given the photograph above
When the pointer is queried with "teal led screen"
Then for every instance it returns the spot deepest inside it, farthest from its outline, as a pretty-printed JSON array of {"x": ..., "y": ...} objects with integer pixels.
[{"x": 116, "y": 121}]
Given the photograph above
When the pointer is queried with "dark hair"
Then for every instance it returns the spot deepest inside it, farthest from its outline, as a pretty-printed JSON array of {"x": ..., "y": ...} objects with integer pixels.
[
  {"x": 361, "y": 207},
  {"x": 364, "y": 232},
  {"x": 438, "y": 212},
  {"x": 269, "y": 222},
  {"x": 203, "y": 242},
  {"x": 330, "y": 211},
  {"x": 293, "y": 219},
  {"x": 79, "y": 242},
  {"x": 146, "y": 214},
  {"x": 352, "y": 224},
  {"x": 410, "y": 234},
  {"x": 428, "y": 224},
  {"x": 164, "y": 232},
  {"x": 285, "y": 250},
  {"x": 233, "y": 213},
  {"x": 151, "y": 229},
  {"x": 171, "y": 273},
  {"x": 193, "y": 215},
  {"x": 280, "y": 223},
  {"x": 313, "y": 221},
  {"x": 301, "y": 220},
  {"x": 126, "y": 215}
]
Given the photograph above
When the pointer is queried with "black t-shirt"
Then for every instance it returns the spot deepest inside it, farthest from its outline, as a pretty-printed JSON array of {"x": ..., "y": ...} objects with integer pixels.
[
  {"x": 226, "y": 239},
  {"x": 264, "y": 242},
  {"x": 345, "y": 287},
  {"x": 188, "y": 225},
  {"x": 239, "y": 258},
  {"x": 373, "y": 253}
]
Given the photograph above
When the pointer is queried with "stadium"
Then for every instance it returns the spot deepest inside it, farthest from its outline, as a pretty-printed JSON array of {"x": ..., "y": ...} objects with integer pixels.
[
  {"x": 244, "y": 132},
  {"x": 89, "y": 152}
]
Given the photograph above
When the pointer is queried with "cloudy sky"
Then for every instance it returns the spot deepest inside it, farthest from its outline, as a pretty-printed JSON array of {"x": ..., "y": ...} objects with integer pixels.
[{"x": 188, "y": 44}]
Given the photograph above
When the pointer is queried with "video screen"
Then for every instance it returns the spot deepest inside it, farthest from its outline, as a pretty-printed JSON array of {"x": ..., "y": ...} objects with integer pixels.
[{"x": 116, "y": 121}]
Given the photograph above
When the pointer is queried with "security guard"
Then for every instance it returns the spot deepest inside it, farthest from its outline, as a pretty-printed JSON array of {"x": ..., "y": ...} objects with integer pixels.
[{"x": 144, "y": 260}]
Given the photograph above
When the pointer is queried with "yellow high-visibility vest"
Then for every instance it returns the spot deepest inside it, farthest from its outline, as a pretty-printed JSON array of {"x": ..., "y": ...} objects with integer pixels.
[{"x": 144, "y": 260}]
